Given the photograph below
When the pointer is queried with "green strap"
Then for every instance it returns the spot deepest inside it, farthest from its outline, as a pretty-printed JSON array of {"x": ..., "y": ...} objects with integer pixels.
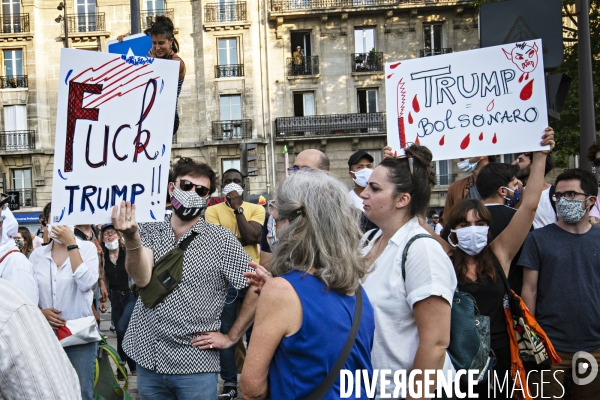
[{"x": 405, "y": 252}]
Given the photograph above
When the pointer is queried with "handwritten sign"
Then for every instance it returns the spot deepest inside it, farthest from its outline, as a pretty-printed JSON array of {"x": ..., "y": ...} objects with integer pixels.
[
  {"x": 114, "y": 130},
  {"x": 472, "y": 103}
]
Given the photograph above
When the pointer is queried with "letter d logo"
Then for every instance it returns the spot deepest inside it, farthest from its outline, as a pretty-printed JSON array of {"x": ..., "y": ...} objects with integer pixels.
[{"x": 586, "y": 363}]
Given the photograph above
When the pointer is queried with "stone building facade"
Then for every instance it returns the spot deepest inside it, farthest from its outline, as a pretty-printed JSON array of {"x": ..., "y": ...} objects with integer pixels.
[{"x": 243, "y": 83}]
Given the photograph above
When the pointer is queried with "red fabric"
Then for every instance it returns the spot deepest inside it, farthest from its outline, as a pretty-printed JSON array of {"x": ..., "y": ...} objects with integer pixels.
[{"x": 63, "y": 332}]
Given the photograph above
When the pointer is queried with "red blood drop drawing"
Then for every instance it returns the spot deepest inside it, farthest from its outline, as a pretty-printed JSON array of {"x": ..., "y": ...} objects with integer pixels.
[
  {"x": 465, "y": 142},
  {"x": 442, "y": 140},
  {"x": 389, "y": 76},
  {"x": 394, "y": 66},
  {"x": 410, "y": 118},
  {"x": 481, "y": 136},
  {"x": 527, "y": 91},
  {"x": 417, "y": 142},
  {"x": 490, "y": 106},
  {"x": 416, "y": 105},
  {"x": 494, "y": 139}
]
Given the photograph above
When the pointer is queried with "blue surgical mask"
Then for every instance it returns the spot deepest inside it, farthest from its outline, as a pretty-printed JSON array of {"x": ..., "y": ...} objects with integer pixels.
[{"x": 516, "y": 198}]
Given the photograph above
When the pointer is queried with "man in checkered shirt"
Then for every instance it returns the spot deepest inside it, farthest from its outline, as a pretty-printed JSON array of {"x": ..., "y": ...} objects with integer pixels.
[{"x": 175, "y": 344}]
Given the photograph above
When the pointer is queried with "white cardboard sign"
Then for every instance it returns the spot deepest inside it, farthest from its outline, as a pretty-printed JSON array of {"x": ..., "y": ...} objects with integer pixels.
[
  {"x": 472, "y": 103},
  {"x": 114, "y": 129}
]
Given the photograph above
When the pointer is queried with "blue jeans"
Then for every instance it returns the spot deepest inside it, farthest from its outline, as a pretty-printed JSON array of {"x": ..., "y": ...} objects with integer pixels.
[
  {"x": 233, "y": 302},
  {"x": 155, "y": 386},
  {"x": 83, "y": 360},
  {"x": 122, "y": 304}
]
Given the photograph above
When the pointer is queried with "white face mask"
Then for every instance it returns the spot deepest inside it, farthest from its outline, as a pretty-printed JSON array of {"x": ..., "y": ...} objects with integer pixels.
[
  {"x": 467, "y": 165},
  {"x": 112, "y": 245},
  {"x": 362, "y": 176},
  {"x": 471, "y": 239},
  {"x": 51, "y": 235}
]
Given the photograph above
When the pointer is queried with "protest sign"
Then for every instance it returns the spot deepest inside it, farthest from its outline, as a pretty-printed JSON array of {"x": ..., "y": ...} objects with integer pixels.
[
  {"x": 138, "y": 44},
  {"x": 472, "y": 103},
  {"x": 114, "y": 130}
]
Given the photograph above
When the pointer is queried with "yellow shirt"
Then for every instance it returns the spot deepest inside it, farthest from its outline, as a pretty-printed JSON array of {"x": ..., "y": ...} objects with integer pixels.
[{"x": 220, "y": 214}]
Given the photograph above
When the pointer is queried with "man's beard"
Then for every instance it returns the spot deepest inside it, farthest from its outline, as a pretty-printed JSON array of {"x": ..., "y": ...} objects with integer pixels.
[{"x": 524, "y": 173}]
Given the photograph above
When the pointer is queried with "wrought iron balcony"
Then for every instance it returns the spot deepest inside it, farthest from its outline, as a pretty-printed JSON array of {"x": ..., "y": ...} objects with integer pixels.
[
  {"x": 445, "y": 180},
  {"x": 86, "y": 22},
  {"x": 27, "y": 197},
  {"x": 228, "y": 71},
  {"x": 17, "y": 140},
  {"x": 13, "y": 82},
  {"x": 333, "y": 124},
  {"x": 15, "y": 23},
  {"x": 367, "y": 62},
  {"x": 232, "y": 11},
  {"x": 298, "y": 66},
  {"x": 234, "y": 129},
  {"x": 149, "y": 16},
  {"x": 310, "y": 5},
  {"x": 434, "y": 52}
]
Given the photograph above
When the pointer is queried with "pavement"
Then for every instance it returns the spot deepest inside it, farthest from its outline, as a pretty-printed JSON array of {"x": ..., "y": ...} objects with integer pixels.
[{"x": 112, "y": 340}]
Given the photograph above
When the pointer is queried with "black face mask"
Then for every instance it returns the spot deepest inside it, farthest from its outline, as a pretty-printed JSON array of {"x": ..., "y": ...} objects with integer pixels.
[{"x": 187, "y": 205}]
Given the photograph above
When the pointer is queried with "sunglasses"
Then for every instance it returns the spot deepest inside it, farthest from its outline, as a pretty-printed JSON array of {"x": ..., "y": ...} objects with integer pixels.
[{"x": 187, "y": 186}]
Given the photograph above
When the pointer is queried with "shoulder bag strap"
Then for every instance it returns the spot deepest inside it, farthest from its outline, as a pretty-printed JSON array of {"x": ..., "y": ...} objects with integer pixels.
[
  {"x": 6, "y": 255},
  {"x": 324, "y": 387},
  {"x": 405, "y": 252},
  {"x": 186, "y": 242}
]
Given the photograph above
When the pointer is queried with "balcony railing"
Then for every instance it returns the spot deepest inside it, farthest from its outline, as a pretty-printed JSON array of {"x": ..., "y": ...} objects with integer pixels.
[
  {"x": 445, "y": 180},
  {"x": 15, "y": 23},
  {"x": 148, "y": 16},
  {"x": 298, "y": 66},
  {"x": 307, "y": 5},
  {"x": 367, "y": 62},
  {"x": 27, "y": 197},
  {"x": 225, "y": 12},
  {"x": 434, "y": 52},
  {"x": 86, "y": 22},
  {"x": 17, "y": 140},
  {"x": 333, "y": 124},
  {"x": 228, "y": 71},
  {"x": 234, "y": 129},
  {"x": 13, "y": 82}
]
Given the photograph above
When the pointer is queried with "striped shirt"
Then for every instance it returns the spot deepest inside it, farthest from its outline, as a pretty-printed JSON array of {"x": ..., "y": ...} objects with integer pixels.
[{"x": 33, "y": 364}]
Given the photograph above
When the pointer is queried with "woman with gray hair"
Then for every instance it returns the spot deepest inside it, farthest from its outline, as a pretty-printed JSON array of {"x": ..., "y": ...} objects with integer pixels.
[{"x": 318, "y": 270}]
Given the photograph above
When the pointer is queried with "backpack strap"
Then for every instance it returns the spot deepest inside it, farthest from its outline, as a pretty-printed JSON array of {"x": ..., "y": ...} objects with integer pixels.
[
  {"x": 187, "y": 241},
  {"x": 6, "y": 255},
  {"x": 321, "y": 391},
  {"x": 371, "y": 236},
  {"x": 551, "y": 194},
  {"x": 405, "y": 252}
]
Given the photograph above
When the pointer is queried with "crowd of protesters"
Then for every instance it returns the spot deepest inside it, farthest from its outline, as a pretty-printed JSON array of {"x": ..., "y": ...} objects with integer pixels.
[{"x": 319, "y": 280}]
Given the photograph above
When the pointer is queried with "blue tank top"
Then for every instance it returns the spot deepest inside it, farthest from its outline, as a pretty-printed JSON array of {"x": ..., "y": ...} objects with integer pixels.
[{"x": 303, "y": 360}]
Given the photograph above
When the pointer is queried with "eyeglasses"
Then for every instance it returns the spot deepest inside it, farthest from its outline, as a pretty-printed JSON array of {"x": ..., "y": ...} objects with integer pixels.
[
  {"x": 569, "y": 195},
  {"x": 293, "y": 170},
  {"x": 270, "y": 206},
  {"x": 109, "y": 232},
  {"x": 187, "y": 186}
]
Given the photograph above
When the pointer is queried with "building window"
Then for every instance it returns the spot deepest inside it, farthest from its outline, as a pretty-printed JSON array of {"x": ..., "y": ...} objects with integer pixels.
[
  {"x": 433, "y": 38},
  {"x": 230, "y": 163},
  {"x": 367, "y": 101},
  {"x": 364, "y": 40},
  {"x": 507, "y": 158},
  {"x": 11, "y": 7},
  {"x": 13, "y": 62},
  {"x": 86, "y": 16},
  {"x": 15, "y": 118},
  {"x": 443, "y": 172},
  {"x": 228, "y": 52},
  {"x": 152, "y": 5},
  {"x": 21, "y": 178},
  {"x": 231, "y": 107},
  {"x": 304, "y": 104},
  {"x": 11, "y": 16}
]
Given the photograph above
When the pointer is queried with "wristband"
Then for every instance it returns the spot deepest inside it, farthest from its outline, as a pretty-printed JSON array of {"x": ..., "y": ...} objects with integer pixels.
[{"x": 72, "y": 247}]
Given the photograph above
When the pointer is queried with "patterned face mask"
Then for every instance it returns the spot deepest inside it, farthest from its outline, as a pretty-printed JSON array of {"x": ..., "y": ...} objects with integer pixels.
[
  {"x": 187, "y": 205},
  {"x": 570, "y": 211},
  {"x": 19, "y": 244}
]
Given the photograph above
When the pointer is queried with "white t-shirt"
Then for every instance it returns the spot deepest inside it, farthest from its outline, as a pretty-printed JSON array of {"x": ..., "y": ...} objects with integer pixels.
[
  {"x": 545, "y": 214},
  {"x": 356, "y": 200},
  {"x": 438, "y": 228},
  {"x": 429, "y": 272},
  {"x": 17, "y": 269}
]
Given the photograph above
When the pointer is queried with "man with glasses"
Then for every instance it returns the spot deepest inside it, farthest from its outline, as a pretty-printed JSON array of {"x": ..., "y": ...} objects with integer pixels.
[
  {"x": 594, "y": 157},
  {"x": 561, "y": 284},
  {"x": 175, "y": 344},
  {"x": 245, "y": 220},
  {"x": 546, "y": 211}
]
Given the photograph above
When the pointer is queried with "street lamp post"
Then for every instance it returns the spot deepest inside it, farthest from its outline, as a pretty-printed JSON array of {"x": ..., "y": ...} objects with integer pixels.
[
  {"x": 63, "y": 7},
  {"x": 587, "y": 118}
]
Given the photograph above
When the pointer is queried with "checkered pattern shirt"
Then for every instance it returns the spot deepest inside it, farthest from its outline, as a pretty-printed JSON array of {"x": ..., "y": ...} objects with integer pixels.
[{"x": 159, "y": 339}]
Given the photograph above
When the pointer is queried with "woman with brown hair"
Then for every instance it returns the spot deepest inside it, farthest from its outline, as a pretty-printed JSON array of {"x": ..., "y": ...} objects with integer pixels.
[
  {"x": 24, "y": 241},
  {"x": 479, "y": 260}
]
